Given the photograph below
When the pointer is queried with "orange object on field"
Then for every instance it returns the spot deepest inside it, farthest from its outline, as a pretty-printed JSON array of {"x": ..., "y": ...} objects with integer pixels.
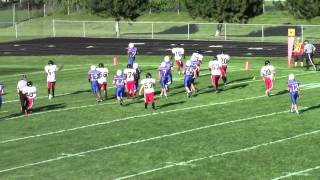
[
  {"x": 247, "y": 65},
  {"x": 115, "y": 60}
]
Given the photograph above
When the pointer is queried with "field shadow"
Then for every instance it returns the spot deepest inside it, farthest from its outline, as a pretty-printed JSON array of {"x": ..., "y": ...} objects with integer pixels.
[
  {"x": 135, "y": 101},
  {"x": 80, "y": 92},
  {"x": 238, "y": 86},
  {"x": 280, "y": 93},
  {"x": 276, "y": 31},
  {"x": 49, "y": 107},
  {"x": 239, "y": 80},
  {"x": 171, "y": 104},
  {"x": 193, "y": 28},
  {"x": 35, "y": 110},
  {"x": 177, "y": 92},
  {"x": 310, "y": 108},
  {"x": 10, "y": 116},
  {"x": 176, "y": 87},
  {"x": 148, "y": 69}
]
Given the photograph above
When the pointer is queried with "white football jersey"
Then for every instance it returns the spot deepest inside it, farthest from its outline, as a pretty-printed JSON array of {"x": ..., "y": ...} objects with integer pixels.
[
  {"x": 215, "y": 67},
  {"x": 223, "y": 58},
  {"x": 129, "y": 74},
  {"x": 196, "y": 57},
  {"x": 31, "y": 92},
  {"x": 267, "y": 71},
  {"x": 148, "y": 85},
  {"x": 178, "y": 53},
  {"x": 104, "y": 72},
  {"x": 51, "y": 72}
]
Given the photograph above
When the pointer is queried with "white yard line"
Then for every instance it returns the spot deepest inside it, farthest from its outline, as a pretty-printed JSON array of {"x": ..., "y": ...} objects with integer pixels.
[
  {"x": 123, "y": 119},
  {"x": 296, "y": 173},
  {"x": 142, "y": 140},
  {"x": 165, "y": 136},
  {"x": 219, "y": 155}
]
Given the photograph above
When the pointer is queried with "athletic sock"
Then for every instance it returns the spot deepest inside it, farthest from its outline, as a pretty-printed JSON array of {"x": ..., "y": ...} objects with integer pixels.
[{"x": 146, "y": 105}]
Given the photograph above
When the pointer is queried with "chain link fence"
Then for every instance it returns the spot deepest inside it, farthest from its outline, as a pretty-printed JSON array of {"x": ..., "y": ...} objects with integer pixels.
[{"x": 156, "y": 30}]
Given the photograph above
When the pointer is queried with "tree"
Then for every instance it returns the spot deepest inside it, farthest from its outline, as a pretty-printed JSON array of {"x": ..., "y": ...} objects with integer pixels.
[
  {"x": 126, "y": 9},
  {"x": 224, "y": 10},
  {"x": 305, "y": 9}
]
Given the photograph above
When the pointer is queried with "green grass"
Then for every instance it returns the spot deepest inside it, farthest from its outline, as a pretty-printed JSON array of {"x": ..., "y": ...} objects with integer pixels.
[
  {"x": 150, "y": 140},
  {"x": 176, "y": 27}
]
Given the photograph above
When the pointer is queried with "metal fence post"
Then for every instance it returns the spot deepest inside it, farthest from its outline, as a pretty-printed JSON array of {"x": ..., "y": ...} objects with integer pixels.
[
  {"x": 188, "y": 31},
  {"x": 152, "y": 33},
  {"x": 44, "y": 10},
  {"x": 302, "y": 35},
  {"x": 117, "y": 28},
  {"x": 53, "y": 28},
  {"x": 29, "y": 17},
  {"x": 68, "y": 7},
  {"x": 262, "y": 33},
  {"x": 13, "y": 14},
  {"x": 83, "y": 28},
  {"x": 16, "y": 29},
  {"x": 225, "y": 31}
]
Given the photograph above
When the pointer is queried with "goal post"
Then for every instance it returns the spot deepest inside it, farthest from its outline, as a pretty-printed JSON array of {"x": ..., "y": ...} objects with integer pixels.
[{"x": 291, "y": 37}]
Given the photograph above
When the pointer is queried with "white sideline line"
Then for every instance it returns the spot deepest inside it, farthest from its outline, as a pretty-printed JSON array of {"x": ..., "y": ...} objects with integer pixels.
[
  {"x": 161, "y": 137},
  {"x": 142, "y": 140},
  {"x": 126, "y": 118},
  {"x": 296, "y": 173},
  {"x": 220, "y": 154}
]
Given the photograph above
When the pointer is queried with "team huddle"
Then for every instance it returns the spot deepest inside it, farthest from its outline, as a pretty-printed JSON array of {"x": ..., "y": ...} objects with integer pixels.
[{"x": 127, "y": 81}]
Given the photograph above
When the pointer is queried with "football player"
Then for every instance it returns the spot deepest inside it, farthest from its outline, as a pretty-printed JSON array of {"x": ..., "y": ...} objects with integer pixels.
[
  {"x": 170, "y": 68},
  {"x": 132, "y": 51},
  {"x": 215, "y": 68},
  {"x": 137, "y": 76},
  {"x": 30, "y": 92},
  {"x": 147, "y": 85},
  {"x": 163, "y": 78},
  {"x": 51, "y": 70},
  {"x": 129, "y": 73},
  {"x": 189, "y": 74},
  {"x": 22, "y": 97},
  {"x": 197, "y": 56},
  {"x": 268, "y": 74},
  {"x": 102, "y": 80},
  {"x": 224, "y": 59},
  {"x": 293, "y": 88},
  {"x": 119, "y": 82},
  {"x": 93, "y": 76},
  {"x": 178, "y": 54}
]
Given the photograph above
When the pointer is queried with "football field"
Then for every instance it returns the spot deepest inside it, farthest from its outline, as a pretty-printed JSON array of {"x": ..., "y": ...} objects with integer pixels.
[{"x": 237, "y": 134}]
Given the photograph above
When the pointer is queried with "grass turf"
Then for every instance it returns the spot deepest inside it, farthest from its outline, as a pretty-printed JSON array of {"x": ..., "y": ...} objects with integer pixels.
[
  {"x": 175, "y": 27},
  {"x": 72, "y": 136}
]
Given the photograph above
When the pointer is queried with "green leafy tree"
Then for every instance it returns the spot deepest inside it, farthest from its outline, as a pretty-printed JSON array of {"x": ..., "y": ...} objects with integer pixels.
[
  {"x": 119, "y": 9},
  {"x": 305, "y": 9},
  {"x": 224, "y": 10}
]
